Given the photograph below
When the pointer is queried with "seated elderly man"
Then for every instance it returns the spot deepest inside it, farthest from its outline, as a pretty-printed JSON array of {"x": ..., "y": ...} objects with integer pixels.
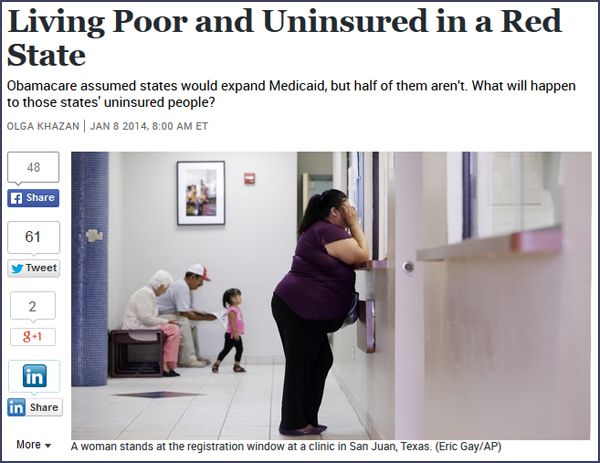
[
  {"x": 176, "y": 304},
  {"x": 141, "y": 313}
]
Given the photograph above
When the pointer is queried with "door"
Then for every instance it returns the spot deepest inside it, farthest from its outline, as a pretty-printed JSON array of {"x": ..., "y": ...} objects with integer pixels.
[
  {"x": 314, "y": 184},
  {"x": 409, "y": 311}
]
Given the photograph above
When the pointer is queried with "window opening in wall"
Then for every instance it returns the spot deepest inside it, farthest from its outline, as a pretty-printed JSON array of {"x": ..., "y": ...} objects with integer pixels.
[
  {"x": 356, "y": 168},
  {"x": 510, "y": 192},
  {"x": 375, "y": 247},
  {"x": 469, "y": 195}
]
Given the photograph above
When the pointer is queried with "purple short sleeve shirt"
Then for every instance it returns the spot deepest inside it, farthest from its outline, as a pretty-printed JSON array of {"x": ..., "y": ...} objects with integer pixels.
[{"x": 318, "y": 286}]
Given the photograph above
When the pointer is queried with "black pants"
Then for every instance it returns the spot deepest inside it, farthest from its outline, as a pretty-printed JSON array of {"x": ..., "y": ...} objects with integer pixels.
[
  {"x": 308, "y": 359},
  {"x": 229, "y": 344}
]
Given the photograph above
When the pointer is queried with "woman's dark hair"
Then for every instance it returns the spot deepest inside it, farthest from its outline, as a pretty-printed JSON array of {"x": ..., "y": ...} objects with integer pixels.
[
  {"x": 227, "y": 295},
  {"x": 318, "y": 207}
]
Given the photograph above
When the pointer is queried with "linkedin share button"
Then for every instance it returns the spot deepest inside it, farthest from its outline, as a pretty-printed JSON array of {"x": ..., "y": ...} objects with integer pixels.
[
  {"x": 33, "y": 376},
  {"x": 34, "y": 407},
  {"x": 33, "y": 198}
]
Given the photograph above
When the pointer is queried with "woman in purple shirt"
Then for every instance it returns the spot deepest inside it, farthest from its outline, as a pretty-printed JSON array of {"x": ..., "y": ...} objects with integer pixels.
[{"x": 312, "y": 297}]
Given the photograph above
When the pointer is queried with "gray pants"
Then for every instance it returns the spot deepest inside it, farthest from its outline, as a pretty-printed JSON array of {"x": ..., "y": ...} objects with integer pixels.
[{"x": 188, "y": 342}]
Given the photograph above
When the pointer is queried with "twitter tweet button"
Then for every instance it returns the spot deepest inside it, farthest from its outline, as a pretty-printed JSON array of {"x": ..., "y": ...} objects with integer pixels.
[{"x": 34, "y": 268}]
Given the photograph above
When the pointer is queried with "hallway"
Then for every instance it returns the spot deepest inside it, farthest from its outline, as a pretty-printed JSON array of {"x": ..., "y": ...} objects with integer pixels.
[
  {"x": 479, "y": 335},
  {"x": 202, "y": 405}
]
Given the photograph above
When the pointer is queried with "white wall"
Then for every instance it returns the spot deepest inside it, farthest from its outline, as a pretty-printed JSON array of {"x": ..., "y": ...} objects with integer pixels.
[
  {"x": 316, "y": 163},
  {"x": 116, "y": 200},
  {"x": 252, "y": 251},
  {"x": 508, "y": 337}
]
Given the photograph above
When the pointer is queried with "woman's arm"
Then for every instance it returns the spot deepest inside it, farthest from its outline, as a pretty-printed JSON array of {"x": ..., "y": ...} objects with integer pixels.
[
  {"x": 146, "y": 312},
  {"x": 352, "y": 250}
]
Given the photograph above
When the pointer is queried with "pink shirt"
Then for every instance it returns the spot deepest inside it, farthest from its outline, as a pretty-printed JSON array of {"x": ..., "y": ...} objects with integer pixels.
[{"x": 239, "y": 320}]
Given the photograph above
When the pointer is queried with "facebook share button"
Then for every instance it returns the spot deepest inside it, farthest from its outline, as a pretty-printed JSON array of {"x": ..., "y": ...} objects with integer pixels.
[{"x": 33, "y": 198}]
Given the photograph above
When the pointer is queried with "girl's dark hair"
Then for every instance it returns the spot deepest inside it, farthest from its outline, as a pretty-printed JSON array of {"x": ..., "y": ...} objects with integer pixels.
[
  {"x": 227, "y": 295},
  {"x": 318, "y": 207}
]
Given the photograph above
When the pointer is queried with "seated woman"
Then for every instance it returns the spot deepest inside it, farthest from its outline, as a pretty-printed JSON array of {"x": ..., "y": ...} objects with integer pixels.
[{"x": 141, "y": 313}]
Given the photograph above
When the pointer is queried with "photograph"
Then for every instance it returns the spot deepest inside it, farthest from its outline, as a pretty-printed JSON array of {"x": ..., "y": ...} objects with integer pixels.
[
  {"x": 421, "y": 296},
  {"x": 201, "y": 193}
]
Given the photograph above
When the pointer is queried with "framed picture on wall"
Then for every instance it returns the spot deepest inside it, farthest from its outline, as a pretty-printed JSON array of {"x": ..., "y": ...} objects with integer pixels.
[{"x": 201, "y": 192}]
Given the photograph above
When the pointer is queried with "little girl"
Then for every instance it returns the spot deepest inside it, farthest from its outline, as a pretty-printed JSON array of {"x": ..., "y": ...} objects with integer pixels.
[{"x": 232, "y": 298}]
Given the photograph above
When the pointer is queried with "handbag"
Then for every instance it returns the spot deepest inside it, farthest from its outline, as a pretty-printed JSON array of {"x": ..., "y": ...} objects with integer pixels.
[{"x": 351, "y": 316}]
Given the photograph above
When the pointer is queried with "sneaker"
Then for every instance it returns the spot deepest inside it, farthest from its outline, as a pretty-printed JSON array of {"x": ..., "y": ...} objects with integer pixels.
[
  {"x": 215, "y": 368},
  {"x": 194, "y": 364},
  {"x": 239, "y": 369},
  {"x": 170, "y": 374}
]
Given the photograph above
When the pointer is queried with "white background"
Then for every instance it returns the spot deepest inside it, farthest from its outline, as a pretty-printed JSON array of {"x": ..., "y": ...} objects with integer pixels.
[{"x": 335, "y": 121}]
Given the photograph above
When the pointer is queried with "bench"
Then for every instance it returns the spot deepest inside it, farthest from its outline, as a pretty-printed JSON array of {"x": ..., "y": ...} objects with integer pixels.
[{"x": 135, "y": 353}]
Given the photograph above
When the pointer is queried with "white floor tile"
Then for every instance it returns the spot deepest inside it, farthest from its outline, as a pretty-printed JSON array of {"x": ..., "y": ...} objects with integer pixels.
[
  {"x": 335, "y": 432},
  {"x": 212, "y": 428},
  {"x": 243, "y": 421},
  {"x": 152, "y": 424},
  {"x": 185, "y": 434},
  {"x": 96, "y": 434},
  {"x": 142, "y": 434},
  {"x": 228, "y": 406},
  {"x": 233, "y": 432}
]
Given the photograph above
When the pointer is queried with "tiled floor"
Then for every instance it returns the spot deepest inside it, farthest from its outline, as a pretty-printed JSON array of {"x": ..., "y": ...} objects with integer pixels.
[{"x": 226, "y": 405}]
